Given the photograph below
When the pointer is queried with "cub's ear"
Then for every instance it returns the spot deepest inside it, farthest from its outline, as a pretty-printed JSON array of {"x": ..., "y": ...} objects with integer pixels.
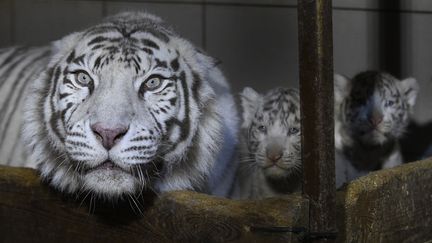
[
  {"x": 410, "y": 89},
  {"x": 342, "y": 87},
  {"x": 250, "y": 101}
]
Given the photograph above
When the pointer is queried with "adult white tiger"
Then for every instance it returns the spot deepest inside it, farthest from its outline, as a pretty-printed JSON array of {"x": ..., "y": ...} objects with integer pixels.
[{"x": 123, "y": 105}]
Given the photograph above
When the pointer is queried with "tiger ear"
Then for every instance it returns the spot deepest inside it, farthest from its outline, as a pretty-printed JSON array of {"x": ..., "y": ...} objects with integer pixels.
[
  {"x": 250, "y": 101},
  {"x": 410, "y": 89},
  {"x": 342, "y": 87}
]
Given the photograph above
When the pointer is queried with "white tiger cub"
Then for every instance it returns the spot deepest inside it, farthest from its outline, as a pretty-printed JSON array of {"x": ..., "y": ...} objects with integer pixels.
[
  {"x": 270, "y": 144},
  {"x": 121, "y": 106},
  {"x": 371, "y": 113}
]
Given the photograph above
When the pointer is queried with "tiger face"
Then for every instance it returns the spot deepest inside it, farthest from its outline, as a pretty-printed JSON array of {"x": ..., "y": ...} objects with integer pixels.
[
  {"x": 120, "y": 105},
  {"x": 377, "y": 106},
  {"x": 271, "y": 124}
]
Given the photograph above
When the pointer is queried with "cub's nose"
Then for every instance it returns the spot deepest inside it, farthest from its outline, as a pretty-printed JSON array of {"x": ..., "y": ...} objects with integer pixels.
[
  {"x": 274, "y": 154},
  {"x": 108, "y": 135},
  {"x": 375, "y": 120}
]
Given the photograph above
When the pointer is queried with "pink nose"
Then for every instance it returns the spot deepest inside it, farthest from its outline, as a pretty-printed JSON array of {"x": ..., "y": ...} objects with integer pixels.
[
  {"x": 375, "y": 120},
  {"x": 108, "y": 136},
  {"x": 274, "y": 157}
]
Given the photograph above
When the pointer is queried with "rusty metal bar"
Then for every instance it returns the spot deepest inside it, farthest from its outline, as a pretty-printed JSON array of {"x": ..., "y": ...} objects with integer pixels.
[{"x": 316, "y": 92}]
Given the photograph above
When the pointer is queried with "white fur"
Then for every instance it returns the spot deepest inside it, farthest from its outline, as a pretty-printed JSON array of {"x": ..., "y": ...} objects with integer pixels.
[{"x": 199, "y": 162}]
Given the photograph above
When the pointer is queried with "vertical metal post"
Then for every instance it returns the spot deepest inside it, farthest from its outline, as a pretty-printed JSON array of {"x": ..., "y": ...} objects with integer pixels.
[
  {"x": 390, "y": 44},
  {"x": 316, "y": 92}
]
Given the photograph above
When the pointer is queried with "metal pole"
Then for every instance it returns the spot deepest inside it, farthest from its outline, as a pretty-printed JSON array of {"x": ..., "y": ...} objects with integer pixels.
[{"x": 316, "y": 92}]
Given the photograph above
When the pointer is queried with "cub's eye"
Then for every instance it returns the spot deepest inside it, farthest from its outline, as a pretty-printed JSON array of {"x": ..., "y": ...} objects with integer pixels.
[
  {"x": 389, "y": 103},
  {"x": 152, "y": 83},
  {"x": 262, "y": 128},
  {"x": 83, "y": 78},
  {"x": 293, "y": 130}
]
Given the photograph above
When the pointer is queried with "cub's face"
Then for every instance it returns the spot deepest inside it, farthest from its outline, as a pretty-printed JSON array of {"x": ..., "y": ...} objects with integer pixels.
[
  {"x": 378, "y": 106},
  {"x": 114, "y": 109},
  {"x": 272, "y": 127}
]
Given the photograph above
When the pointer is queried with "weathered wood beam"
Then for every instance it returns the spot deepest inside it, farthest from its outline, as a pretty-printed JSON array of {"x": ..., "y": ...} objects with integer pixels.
[
  {"x": 31, "y": 212},
  {"x": 316, "y": 93},
  {"x": 393, "y": 205}
]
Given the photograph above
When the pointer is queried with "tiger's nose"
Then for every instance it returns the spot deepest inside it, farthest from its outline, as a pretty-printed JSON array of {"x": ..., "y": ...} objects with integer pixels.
[
  {"x": 274, "y": 156},
  {"x": 375, "y": 120},
  {"x": 108, "y": 135}
]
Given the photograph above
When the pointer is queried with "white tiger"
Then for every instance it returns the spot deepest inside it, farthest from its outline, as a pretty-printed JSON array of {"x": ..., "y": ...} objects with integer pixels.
[
  {"x": 118, "y": 107},
  {"x": 270, "y": 144},
  {"x": 371, "y": 113}
]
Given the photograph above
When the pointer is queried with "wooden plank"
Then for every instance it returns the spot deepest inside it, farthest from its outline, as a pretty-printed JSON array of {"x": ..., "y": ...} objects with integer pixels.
[
  {"x": 392, "y": 205},
  {"x": 316, "y": 94},
  {"x": 30, "y": 211}
]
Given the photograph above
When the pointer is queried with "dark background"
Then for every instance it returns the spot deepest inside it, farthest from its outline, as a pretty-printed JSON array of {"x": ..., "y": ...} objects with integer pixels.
[{"x": 256, "y": 40}]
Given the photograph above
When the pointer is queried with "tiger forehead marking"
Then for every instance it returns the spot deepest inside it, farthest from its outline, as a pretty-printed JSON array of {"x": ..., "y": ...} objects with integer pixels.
[{"x": 126, "y": 102}]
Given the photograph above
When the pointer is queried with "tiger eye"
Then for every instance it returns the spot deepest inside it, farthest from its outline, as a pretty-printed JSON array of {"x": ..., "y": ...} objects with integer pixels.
[
  {"x": 83, "y": 78},
  {"x": 293, "y": 130},
  {"x": 262, "y": 128},
  {"x": 153, "y": 83}
]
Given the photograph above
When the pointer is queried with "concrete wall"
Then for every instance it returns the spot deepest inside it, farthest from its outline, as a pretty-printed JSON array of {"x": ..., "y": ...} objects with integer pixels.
[{"x": 256, "y": 41}]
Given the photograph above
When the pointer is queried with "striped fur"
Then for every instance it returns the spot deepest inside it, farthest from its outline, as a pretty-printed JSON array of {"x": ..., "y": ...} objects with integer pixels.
[
  {"x": 372, "y": 111},
  {"x": 18, "y": 68},
  {"x": 134, "y": 72},
  {"x": 270, "y": 144}
]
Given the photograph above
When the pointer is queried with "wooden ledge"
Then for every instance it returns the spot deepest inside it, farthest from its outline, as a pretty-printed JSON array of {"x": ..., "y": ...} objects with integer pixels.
[
  {"x": 391, "y": 205},
  {"x": 30, "y": 211}
]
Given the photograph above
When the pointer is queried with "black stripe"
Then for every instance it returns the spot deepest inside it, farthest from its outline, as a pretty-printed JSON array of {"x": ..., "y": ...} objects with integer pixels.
[
  {"x": 174, "y": 64},
  {"x": 97, "y": 47},
  {"x": 79, "y": 60},
  {"x": 196, "y": 85},
  {"x": 19, "y": 95},
  {"x": 136, "y": 148},
  {"x": 97, "y": 62},
  {"x": 12, "y": 55},
  {"x": 150, "y": 43},
  {"x": 70, "y": 57},
  {"x": 185, "y": 124},
  {"x": 55, "y": 114},
  {"x": 5, "y": 75},
  {"x": 185, "y": 128},
  {"x": 157, "y": 122},
  {"x": 79, "y": 144},
  {"x": 160, "y": 63},
  {"x": 149, "y": 51},
  {"x": 63, "y": 95},
  {"x": 63, "y": 112},
  {"x": 158, "y": 34},
  {"x": 97, "y": 39}
]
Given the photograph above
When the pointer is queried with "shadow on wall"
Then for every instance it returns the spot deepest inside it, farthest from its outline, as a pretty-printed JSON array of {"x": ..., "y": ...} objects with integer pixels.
[{"x": 417, "y": 142}]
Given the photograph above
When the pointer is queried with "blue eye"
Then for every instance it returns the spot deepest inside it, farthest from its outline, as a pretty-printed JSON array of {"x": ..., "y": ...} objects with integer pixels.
[
  {"x": 153, "y": 83},
  {"x": 293, "y": 130},
  {"x": 389, "y": 103},
  {"x": 262, "y": 128},
  {"x": 83, "y": 77}
]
